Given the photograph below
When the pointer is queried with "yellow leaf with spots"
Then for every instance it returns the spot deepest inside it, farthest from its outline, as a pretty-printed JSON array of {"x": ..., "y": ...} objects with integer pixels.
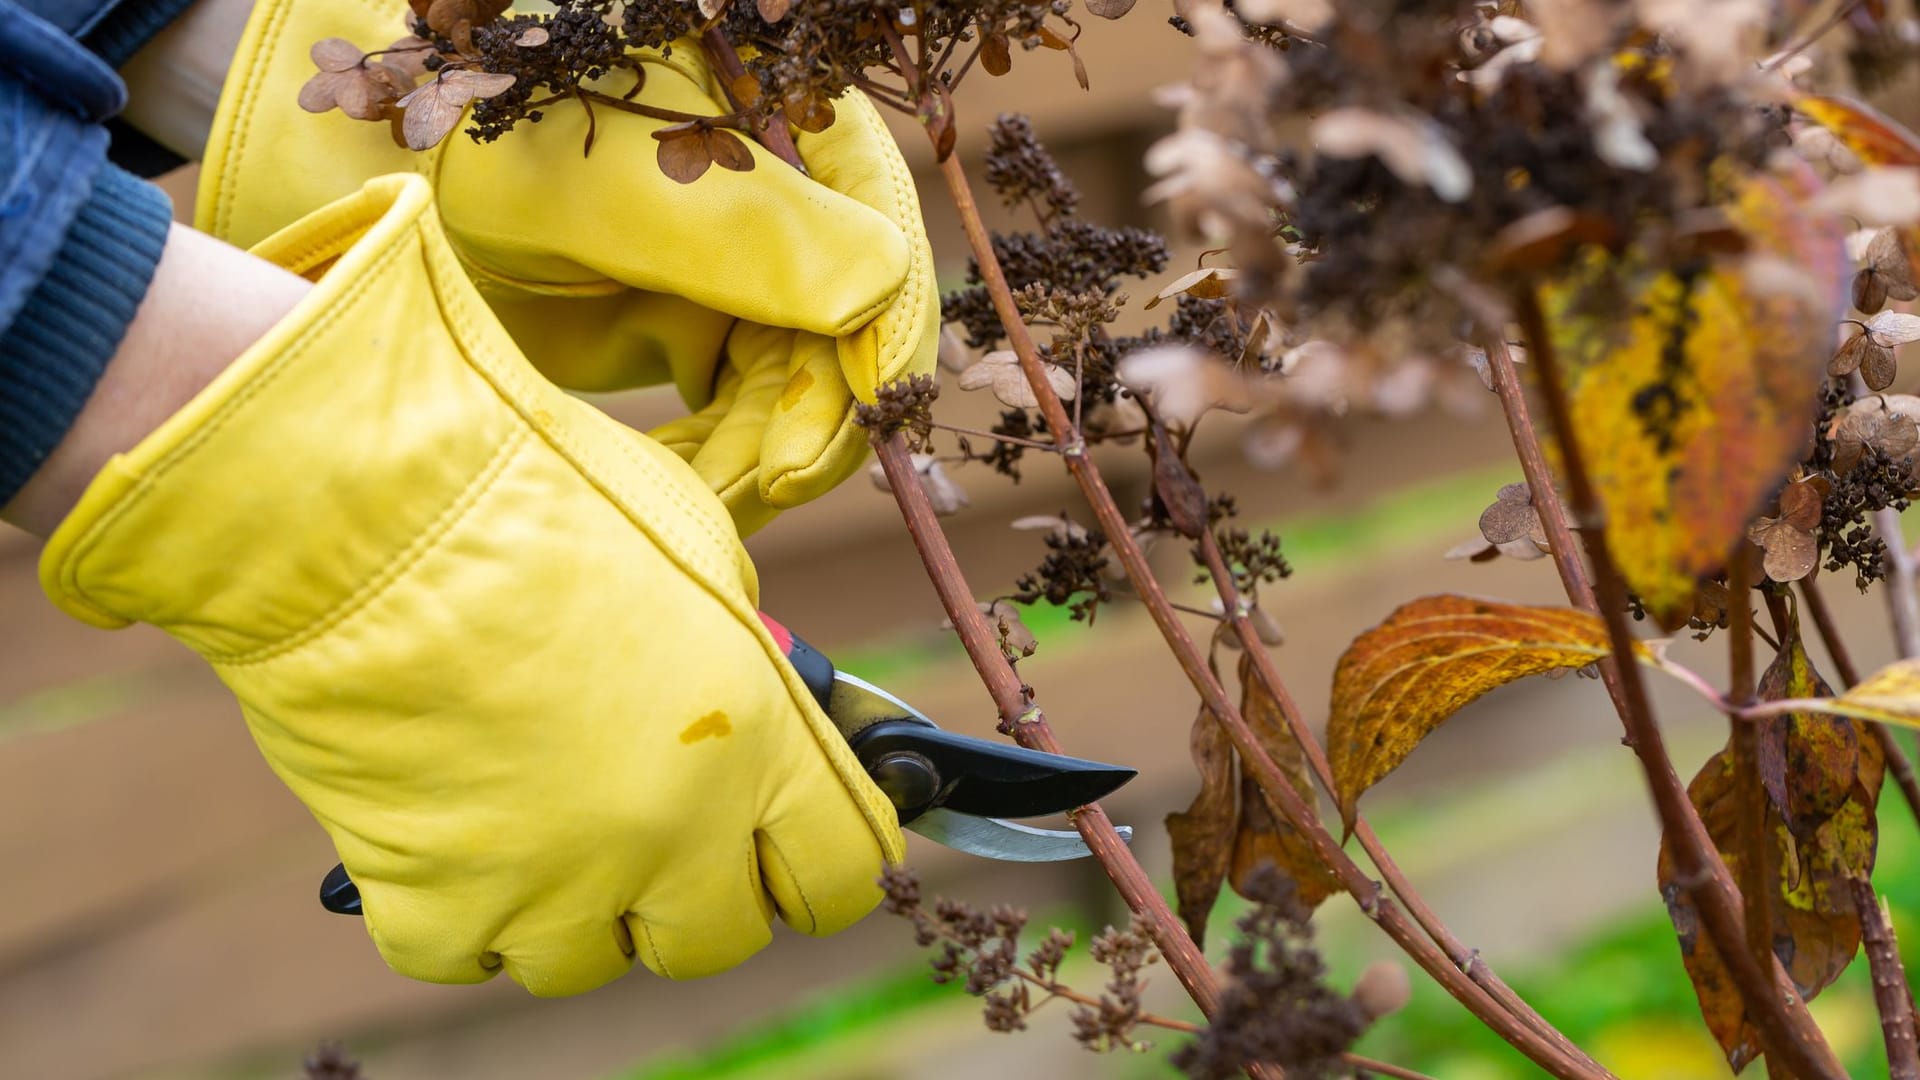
[
  {"x": 1692, "y": 384},
  {"x": 1890, "y": 695},
  {"x": 1400, "y": 680}
]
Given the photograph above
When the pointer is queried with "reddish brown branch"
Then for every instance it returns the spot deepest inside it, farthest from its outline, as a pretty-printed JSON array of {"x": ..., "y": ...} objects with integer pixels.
[
  {"x": 1743, "y": 742},
  {"x": 1028, "y": 725},
  {"x": 1787, "y": 1032},
  {"x": 1898, "y": 763},
  {"x": 1272, "y": 781},
  {"x": 771, "y": 133},
  {"x": 1903, "y": 603},
  {"x": 1891, "y": 995}
]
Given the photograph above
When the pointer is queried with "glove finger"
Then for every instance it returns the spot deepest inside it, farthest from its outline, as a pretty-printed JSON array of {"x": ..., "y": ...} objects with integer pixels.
[
  {"x": 687, "y": 434},
  {"x": 706, "y": 916},
  {"x": 570, "y": 957},
  {"x": 415, "y": 937},
  {"x": 858, "y": 157},
  {"x": 768, "y": 245},
  {"x": 809, "y": 441},
  {"x": 729, "y": 459},
  {"x": 598, "y": 339},
  {"x": 820, "y": 859}
]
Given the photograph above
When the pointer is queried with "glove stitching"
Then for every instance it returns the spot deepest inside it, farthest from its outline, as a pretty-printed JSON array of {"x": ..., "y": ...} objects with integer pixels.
[
  {"x": 653, "y": 950},
  {"x": 228, "y": 409},
  {"x": 248, "y": 100},
  {"x": 387, "y": 576},
  {"x": 904, "y": 195},
  {"x": 786, "y": 867}
]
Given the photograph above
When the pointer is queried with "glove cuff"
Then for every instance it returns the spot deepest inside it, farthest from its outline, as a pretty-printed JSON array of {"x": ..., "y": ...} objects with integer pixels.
[{"x": 380, "y": 405}]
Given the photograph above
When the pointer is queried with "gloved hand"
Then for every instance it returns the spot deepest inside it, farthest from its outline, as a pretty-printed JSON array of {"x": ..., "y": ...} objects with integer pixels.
[
  {"x": 503, "y": 648},
  {"x": 770, "y": 300}
]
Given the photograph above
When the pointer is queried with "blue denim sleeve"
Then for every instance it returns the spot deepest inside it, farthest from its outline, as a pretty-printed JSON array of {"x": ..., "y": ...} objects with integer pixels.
[{"x": 79, "y": 239}]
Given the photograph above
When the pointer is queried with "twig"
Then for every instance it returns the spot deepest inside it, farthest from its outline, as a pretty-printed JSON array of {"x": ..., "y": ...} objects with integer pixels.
[
  {"x": 771, "y": 133},
  {"x": 654, "y": 112},
  {"x": 1898, "y": 763},
  {"x": 1028, "y": 724},
  {"x": 1271, "y": 780},
  {"x": 1743, "y": 742},
  {"x": 1384, "y": 1068},
  {"x": 1903, "y": 603},
  {"x": 1787, "y": 1032},
  {"x": 1891, "y": 996},
  {"x": 1033, "y": 444}
]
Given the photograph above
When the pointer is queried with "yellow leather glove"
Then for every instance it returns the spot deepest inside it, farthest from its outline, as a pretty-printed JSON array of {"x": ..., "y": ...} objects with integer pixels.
[
  {"x": 770, "y": 300},
  {"x": 503, "y": 648}
]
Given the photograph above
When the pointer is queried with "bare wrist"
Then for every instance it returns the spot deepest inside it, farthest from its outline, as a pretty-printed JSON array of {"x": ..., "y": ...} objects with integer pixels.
[{"x": 207, "y": 303}]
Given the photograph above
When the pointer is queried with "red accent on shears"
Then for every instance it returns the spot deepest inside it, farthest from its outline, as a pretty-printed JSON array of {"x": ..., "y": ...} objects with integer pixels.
[{"x": 781, "y": 635}]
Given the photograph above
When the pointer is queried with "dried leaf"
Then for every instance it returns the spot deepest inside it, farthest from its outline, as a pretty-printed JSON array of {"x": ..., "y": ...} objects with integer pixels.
[
  {"x": 999, "y": 372},
  {"x": 1400, "y": 680},
  {"x": 946, "y": 496},
  {"x": 1877, "y": 367},
  {"x": 1893, "y": 328},
  {"x": 1887, "y": 257},
  {"x": 1877, "y": 195},
  {"x": 1691, "y": 395},
  {"x": 1411, "y": 145},
  {"x": 1203, "y": 835},
  {"x": 1885, "y": 423},
  {"x": 811, "y": 113},
  {"x": 1183, "y": 383},
  {"x": 1846, "y": 359},
  {"x": 1801, "y": 502},
  {"x": 1206, "y": 283},
  {"x": 1263, "y": 837},
  {"x": 431, "y": 114},
  {"x": 1791, "y": 552},
  {"x": 745, "y": 89},
  {"x": 1807, "y": 762},
  {"x": 336, "y": 54},
  {"x": 996, "y": 57},
  {"x": 729, "y": 151},
  {"x": 1182, "y": 496},
  {"x": 1715, "y": 794},
  {"x": 684, "y": 155},
  {"x": 1512, "y": 517},
  {"x": 953, "y": 354},
  {"x": 408, "y": 56},
  {"x": 1004, "y": 615}
]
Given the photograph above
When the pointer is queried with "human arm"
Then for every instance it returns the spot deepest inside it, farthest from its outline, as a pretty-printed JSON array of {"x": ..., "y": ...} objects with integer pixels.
[{"x": 206, "y": 303}]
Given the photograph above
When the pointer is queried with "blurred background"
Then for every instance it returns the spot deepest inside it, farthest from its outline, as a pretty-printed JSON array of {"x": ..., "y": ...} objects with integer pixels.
[{"x": 160, "y": 919}]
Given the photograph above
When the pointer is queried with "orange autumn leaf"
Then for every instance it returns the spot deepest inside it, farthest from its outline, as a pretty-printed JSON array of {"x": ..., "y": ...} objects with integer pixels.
[{"x": 1400, "y": 680}]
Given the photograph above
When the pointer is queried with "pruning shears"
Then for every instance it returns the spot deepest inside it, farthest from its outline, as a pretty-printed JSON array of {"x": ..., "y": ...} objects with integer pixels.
[{"x": 953, "y": 789}]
